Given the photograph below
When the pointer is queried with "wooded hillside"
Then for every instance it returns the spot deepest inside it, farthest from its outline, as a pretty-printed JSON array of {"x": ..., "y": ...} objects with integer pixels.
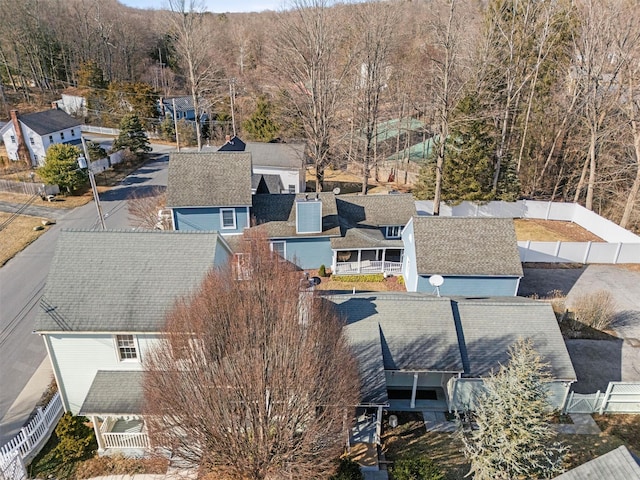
[{"x": 493, "y": 99}]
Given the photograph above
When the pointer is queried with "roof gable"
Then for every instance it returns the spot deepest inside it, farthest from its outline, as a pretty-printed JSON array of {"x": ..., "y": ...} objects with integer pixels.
[
  {"x": 212, "y": 179},
  {"x": 49, "y": 121},
  {"x": 466, "y": 246},
  {"x": 277, "y": 155},
  {"x": 122, "y": 281}
]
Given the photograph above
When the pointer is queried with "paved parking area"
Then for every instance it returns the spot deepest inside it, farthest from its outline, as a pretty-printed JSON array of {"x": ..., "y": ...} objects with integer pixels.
[{"x": 597, "y": 361}]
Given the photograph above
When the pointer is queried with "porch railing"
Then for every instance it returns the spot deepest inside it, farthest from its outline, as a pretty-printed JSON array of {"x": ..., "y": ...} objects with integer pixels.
[
  {"x": 126, "y": 440},
  {"x": 367, "y": 266}
]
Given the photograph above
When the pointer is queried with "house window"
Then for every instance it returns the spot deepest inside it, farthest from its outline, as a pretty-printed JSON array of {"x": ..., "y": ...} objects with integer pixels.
[
  {"x": 32, "y": 141},
  {"x": 292, "y": 189},
  {"x": 61, "y": 135},
  {"x": 394, "y": 231},
  {"x": 13, "y": 139},
  {"x": 279, "y": 247},
  {"x": 126, "y": 345},
  {"x": 73, "y": 133},
  {"x": 228, "y": 217},
  {"x": 50, "y": 138}
]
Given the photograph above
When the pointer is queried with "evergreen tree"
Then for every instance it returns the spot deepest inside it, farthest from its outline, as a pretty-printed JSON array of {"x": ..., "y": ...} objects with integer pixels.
[
  {"x": 90, "y": 75},
  {"x": 96, "y": 152},
  {"x": 132, "y": 135},
  {"x": 512, "y": 437},
  {"x": 261, "y": 126},
  {"x": 61, "y": 167},
  {"x": 468, "y": 171}
]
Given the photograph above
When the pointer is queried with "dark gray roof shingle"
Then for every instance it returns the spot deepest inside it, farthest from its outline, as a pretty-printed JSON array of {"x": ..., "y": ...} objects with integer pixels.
[
  {"x": 278, "y": 155},
  {"x": 104, "y": 398},
  {"x": 491, "y": 326},
  {"x": 618, "y": 464},
  {"x": 276, "y": 214},
  {"x": 49, "y": 121},
  {"x": 213, "y": 179},
  {"x": 466, "y": 246},
  {"x": 122, "y": 281}
]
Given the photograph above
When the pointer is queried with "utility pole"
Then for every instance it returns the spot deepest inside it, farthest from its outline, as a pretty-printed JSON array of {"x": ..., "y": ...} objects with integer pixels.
[
  {"x": 175, "y": 123},
  {"x": 92, "y": 179},
  {"x": 232, "y": 94}
]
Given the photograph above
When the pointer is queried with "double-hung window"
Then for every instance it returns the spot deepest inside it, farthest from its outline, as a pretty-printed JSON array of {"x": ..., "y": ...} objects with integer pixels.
[
  {"x": 394, "y": 231},
  {"x": 279, "y": 247},
  {"x": 61, "y": 135},
  {"x": 127, "y": 348},
  {"x": 228, "y": 218}
]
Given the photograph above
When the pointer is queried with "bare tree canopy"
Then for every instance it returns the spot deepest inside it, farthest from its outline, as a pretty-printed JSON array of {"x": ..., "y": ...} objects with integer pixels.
[{"x": 253, "y": 378}]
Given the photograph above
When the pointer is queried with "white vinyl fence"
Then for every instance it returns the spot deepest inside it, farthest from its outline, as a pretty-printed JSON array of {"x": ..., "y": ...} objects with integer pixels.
[
  {"x": 28, "y": 188},
  {"x": 103, "y": 164},
  {"x": 618, "y": 246},
  {"x": 620, "y": 397},
  {"x": 101, "y": 130},
  {"x": 29, "y": 441}
]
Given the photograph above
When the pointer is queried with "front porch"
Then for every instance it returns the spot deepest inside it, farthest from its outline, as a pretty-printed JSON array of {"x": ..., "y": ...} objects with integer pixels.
[
  {"x": 121, "y": 434},
  {"x": 367, "y": 261}
]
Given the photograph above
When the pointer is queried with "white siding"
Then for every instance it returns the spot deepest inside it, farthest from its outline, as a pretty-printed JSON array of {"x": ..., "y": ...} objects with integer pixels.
[
  {"x": 77, "y": 358},
  {"x": 288, "y": 177},
  {"x": 409, "y": 261}
]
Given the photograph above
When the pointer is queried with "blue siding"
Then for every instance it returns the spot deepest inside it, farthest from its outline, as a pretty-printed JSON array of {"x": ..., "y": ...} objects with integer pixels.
[
  {"x": 309, "y": 253},
  {"x": 308, "y": 216},
  {"x": 472, "y": 286},
  {"x": 208, "y": 219}
]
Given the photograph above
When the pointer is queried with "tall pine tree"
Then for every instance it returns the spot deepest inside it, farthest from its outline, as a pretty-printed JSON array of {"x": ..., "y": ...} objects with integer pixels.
[{"x": 132, "y": 135}]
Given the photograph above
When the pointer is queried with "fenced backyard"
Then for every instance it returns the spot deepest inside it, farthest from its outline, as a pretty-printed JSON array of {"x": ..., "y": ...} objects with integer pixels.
[
  {"x": 620, "y": 397},
  {"x": 618, "y": 245}
]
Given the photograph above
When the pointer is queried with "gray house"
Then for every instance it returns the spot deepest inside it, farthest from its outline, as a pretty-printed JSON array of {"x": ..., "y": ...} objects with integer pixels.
[
  {"x": 102, "y": 309},
  {"x": 477, "y": 257},
  {"x": 417, "y": 351}
]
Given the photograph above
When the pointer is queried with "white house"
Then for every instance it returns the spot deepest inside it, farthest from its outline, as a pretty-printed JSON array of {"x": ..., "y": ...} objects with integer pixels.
[{"x": 27, "y": 137}]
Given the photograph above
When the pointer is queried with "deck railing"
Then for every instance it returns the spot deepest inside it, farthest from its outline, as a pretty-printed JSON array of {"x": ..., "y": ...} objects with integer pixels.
[
  {"x": 126, "y": 440},
  {"x": 367, "y": 266}
]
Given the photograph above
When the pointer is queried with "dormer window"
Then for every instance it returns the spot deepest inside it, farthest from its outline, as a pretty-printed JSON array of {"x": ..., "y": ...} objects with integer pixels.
[{"x": 394, "y": 231}]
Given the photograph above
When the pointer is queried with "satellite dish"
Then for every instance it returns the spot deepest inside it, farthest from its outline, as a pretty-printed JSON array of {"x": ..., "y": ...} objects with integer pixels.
[
  {"x": 436, "y": 281},
  {"x": 336, "y": 191}
]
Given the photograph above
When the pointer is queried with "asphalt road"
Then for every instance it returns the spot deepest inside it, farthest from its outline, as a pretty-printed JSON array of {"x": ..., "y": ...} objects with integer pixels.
[{"x": 22, "y": 280}]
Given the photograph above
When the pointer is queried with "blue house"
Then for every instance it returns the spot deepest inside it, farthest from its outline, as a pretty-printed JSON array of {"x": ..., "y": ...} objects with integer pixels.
[
  {"x": 183, "y": 108},
  {"x": 477, "y": 257},
  {"x": 300, "y": 227},
  {"x": 210, "y": 192}
]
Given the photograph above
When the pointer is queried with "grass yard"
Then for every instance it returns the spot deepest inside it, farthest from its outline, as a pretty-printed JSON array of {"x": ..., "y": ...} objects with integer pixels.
[
  {"x": 60, "y": 201},
  {"x": 538, "y": 230},
  {"x": 410, "y": 439},
  {"x": 17, "y": 235}
]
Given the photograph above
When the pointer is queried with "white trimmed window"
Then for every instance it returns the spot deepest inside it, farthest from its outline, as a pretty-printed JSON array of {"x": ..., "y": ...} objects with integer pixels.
[
  {"x": 394, "y": 231},
  {"x": 61, "y": 135},
  {"x": 228, "y": 218},
  {"x": 13, "y": 139},
  {"x": 50, "y": 138},
  {"x": 279, "y": 247},
  {"x": 73, "y": 133},
  {"x": 127, "y": 348},
  {"x": 292, "y": 189}
]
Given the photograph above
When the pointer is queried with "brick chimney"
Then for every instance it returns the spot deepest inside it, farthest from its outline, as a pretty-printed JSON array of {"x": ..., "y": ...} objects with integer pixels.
[{"x": 23, "y": 151}]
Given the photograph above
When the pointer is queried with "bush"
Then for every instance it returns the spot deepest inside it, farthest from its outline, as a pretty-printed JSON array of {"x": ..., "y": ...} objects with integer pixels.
[
  {"x": 400, "y": 280},
  {"x": 322, "y": 271},
  {"x": 347, "y": 470},
  {"x": 373, "y": 277},
  {"x": 595, "y": 310},
  {"x": 416, "y": 469},
  {"x": 76, "y": 440},
  {"x": 119, "y": 465},
  {"x": 61, "y": 167}
]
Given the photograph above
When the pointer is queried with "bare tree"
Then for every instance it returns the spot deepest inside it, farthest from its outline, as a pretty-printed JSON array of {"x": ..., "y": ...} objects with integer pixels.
[
  {"x": 313, "y": 62},
  {"x": 253, "y": 377},
  {"x": 145, "y": 208},
  {"x": 192, "y": 44}
]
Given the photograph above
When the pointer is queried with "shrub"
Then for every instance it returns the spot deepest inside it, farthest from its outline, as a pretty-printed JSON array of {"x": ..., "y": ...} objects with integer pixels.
[
  {"x": 347, "y": 470},
  {"x": 75, "y": 439},
  {"x": 119, "y": 465},
  {"x": 596, "y": 310},
  {"x": 322, "y": 271},
  {"x": 374, "y": 277},
  {"x": 400, "y": 280},
  {"x": 416, "y": 469}
]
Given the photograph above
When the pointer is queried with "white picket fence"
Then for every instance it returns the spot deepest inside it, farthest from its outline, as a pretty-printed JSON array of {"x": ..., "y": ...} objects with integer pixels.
[
  {"x": 620, "y": 397},
  {"x": 28, "y": 442},
  {"x": 619, "y": 245}
]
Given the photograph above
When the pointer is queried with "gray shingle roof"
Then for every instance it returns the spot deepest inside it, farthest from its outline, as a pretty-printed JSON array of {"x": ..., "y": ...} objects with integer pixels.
[
  {"x": 618, "y": 464},
  {"x": 122, "y": 281},
  {"x": 362, "y": 216},
  {"x": 49, "y": 121},
  {"x": 183, "y": 103},
  {"x": 273, "y": 183},
  {"x": 490, "y": 326},
  {"x": 213, "y": 179},
  {"x": 276, "y": 214},
  {"x": 279, "y": 155},
  {"x": 466, "y": 246},
  {"x": 104, "y": 398}
]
